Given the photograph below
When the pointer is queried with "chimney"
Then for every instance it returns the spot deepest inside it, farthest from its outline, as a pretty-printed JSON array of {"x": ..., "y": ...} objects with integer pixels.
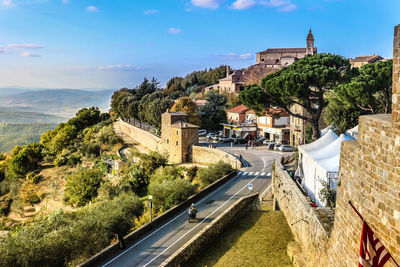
[
  {"x": 396, "y": 78},
  {"x": 228, "y": 71}
]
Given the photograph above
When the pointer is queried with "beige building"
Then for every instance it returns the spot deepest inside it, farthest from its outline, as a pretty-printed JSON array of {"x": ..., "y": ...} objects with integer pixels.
[
  {"x": 281, "y": 57},
  {"x": 363, "y": 60},
  {"x": 178, "y": 136},
  {"x": 267, "y": 62}
]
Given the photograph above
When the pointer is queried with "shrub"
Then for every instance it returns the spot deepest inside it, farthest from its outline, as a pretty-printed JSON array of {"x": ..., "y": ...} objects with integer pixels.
[
  {"x": 192, "y": 172},
  {"x": 327, "y": 194},
  {"x": 82, "y": 186},
  {"x": 152, "y": 162},
  {"x": 33, "y": 177},
  {"x": 165, "y": 173},
  {"x": 135, "y": 180},
  {"x": 5, "y": 205},
  {"x": 90, "y": 150},
  {"x": 214, "y": 172},
  {"x": 168, "y": 193},
  {"x": 68, "y": 238},
  {"x": 30, "y": 194}
]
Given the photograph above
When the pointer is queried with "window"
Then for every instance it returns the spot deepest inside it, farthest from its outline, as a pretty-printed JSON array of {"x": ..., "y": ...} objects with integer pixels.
[
  {"x": 167, "y": 141},
  {"x": 176, "y": 142},
  {"x": 177, "y": 132}
]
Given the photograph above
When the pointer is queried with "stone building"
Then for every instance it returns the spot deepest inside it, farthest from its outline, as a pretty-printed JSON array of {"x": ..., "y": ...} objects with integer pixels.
[
  {"x": 363, "y": 60},
  {"x": 281, "y": 57},
  {"x": 178, "y": 136},
  {"x": 267, "y": 62}
]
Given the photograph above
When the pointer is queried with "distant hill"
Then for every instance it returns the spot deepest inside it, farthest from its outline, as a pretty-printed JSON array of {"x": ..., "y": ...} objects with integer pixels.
[
  {"x": 60, "y": 102},
  {"x": 21, "y": 134},
  {"x": 21, "y": 117}
]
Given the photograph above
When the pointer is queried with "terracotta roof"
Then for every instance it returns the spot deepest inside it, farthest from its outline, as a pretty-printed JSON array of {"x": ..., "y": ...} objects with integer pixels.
[
  {"x": 250, "y": 112},
  {"x": 200, "y": 102},
  {"x": 285, "y": 50},
  {"x": 369, "y": 59},
  {"x": 181, "y": 124},
  {"x": 277, "y": 111},
  {"x": 238, "y": 109}
]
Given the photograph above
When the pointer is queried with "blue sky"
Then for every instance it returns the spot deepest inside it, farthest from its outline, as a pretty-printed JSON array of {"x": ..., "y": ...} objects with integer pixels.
[{"x": 113, "y": 44}]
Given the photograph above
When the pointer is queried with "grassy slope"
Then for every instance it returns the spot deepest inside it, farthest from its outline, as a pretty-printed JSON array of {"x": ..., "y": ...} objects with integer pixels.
[
  {"x": 258, "y": 238},
  {"x": 21, "y": 134}
]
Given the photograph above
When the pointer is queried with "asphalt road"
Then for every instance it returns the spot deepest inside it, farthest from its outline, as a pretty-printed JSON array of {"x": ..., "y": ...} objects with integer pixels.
[{"x": 159, "y": 244}]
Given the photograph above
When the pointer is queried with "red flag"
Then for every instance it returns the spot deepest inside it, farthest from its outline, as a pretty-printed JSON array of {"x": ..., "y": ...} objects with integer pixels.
[{"x": 372, "y": 252}]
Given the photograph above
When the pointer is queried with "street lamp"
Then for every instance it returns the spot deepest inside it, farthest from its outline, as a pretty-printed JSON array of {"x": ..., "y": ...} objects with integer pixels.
[{"x": 151, "y": 207}]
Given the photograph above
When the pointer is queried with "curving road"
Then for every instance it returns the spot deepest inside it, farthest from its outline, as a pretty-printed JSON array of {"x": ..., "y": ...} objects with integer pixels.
[{"x": 159, "y": 244}]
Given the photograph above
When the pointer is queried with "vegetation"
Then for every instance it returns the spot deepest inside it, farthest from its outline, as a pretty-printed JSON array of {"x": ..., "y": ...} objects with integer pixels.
[
  {"x": 10, "y": 116},
  {"x": 213, "y": 112},
  {"x": 305, "y": 83},
  {"x": 327, "y": 194},
  {"x": 193, "y": 82},
  {"x": 67, "y": 238},
  {"x": 257, "y": 238},
  {"x": 214, "y": 172},
  {"x": 368, "y": 92},
  {"x": 186, "y": 104}
]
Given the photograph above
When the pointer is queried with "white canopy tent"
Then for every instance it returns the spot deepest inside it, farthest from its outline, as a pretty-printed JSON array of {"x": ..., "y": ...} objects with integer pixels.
[
  {"x": 353, "y": 132},
  {"x": 320, "y": 161},
  {"x": 325, "y": 130}
]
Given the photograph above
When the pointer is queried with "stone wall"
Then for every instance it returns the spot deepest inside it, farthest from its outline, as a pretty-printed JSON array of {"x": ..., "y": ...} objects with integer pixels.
[
  {"x": 208, "y": 233},
  {"x": 302, "y": 219},
  {"x": 201, "y": 154},
  {"x": 369, "y": 177},
  {"x": 143, "y": 137}
]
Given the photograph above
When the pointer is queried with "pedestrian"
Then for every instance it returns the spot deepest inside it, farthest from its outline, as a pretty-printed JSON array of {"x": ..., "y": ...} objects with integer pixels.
[
  {"x": 240, "y": 156},
  {"x": 121, "y": 241},
  {"x": 246, "y": 146}
]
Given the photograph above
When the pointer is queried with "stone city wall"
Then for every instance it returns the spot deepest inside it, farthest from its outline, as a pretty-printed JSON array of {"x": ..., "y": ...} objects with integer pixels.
[
  {"x": 302, "y": 219},
  {"x": 201, "y": 154},
  {"x": 209, "y": 233},
  {"x": 145, "y": 138}
]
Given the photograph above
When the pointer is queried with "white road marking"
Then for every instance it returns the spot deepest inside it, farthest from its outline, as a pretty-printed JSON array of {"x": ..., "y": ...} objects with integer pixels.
[
  {"x": 257, "y": 173},
  {"x": 265, "y": 163},
  {"x": 262, "y": 174},
  {"x": 245, "y": 173},
  {"x": 184, "y": 212},
  {"x": 251, "y": 173},
  {"x": 269, "y": 174}
]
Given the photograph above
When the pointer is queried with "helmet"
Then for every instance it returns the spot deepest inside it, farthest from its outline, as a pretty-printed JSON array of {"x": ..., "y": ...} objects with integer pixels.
[{"x": 192, "y": 205}]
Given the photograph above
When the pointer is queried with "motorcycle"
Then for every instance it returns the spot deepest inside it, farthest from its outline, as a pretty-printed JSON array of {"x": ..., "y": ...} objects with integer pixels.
[{"x": 192, "y": 215}]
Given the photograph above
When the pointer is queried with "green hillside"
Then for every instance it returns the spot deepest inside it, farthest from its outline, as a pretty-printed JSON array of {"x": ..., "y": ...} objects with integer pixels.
[
  {"x": 21, "y": 134},
  {"x": 22, "y": 117}
]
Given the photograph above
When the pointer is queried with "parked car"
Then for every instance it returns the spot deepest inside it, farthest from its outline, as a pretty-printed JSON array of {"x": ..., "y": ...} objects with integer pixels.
[
  {"x": 239, "y": 140},
  {"x": 255, "y": 142},
  {"x": 269, "y": 144},
  {"x": 202, "y": 132},
  {"x": 210, "y": 136},
  {"x": 215, "y": 138},
  {"x": 277, "y": 146},
  {"x": 224, "y": 139},
  {"x": 286, "y": 148}
]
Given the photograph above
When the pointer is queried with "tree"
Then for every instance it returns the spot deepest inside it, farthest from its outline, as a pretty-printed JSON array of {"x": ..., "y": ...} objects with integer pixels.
[
  {"x": 186, "y": 104},
  {"x": 368, "y": 92},
  {"x": 213, "y": 111},
  {"x": 82, "y": 186},
  {"x": 304, "y": 83},
  {"x": 27, "y": 159}
]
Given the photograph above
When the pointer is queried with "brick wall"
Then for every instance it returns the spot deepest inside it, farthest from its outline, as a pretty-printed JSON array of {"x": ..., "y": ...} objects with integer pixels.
[{"x": 370, "y": 178}]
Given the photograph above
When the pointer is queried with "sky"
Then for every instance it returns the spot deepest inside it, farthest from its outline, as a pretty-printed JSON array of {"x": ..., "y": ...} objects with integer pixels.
[{"x": 113, "y": 44}]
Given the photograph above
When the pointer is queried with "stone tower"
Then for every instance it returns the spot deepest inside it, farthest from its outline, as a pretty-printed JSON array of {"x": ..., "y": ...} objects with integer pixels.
[
  {"x": 178, "y": 136},
  {"x": 310, "y": 44},
  {"x": 396, "y": 78}
]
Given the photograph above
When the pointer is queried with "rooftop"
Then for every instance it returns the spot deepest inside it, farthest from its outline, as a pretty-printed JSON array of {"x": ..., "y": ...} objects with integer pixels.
[
  {"x": 285, "y": 50},
  {"x": 238, "y": 109},
  {"x": 181, "y": 125},
  {"x": 369, "y": 59}
]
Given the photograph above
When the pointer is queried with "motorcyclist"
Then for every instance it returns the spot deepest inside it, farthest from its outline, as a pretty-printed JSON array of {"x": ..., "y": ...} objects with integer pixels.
[{"x": 192, "y": 211}]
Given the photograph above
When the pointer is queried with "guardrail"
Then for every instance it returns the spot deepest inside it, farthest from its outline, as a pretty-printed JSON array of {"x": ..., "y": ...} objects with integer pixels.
[{"x": 138, "y": 233}]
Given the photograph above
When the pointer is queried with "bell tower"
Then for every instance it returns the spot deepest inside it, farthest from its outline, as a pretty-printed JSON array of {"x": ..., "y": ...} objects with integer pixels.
[{"x": 310, "y": 44}]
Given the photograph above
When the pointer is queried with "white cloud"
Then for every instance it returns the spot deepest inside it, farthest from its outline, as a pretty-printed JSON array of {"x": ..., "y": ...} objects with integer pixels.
[
  {"x": 127, "y": 67},
  {"x": 281, "y": 5},
  {"x": 65, "y": 1},
  {"x": 243, "y": 4},
  {"x": 235, "y": 56},
  {"x": 150, "y": 11},
  {"x": 25, "y": 46},
  {"x": 213, "y": 4},
  {"x": 28, "y": 54},
  {"x": 174, "y": 30},
  {"x": 92, "y": 9},
  {"x": 8, "y": 3},
  {"x": 287, "y": 8}
]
